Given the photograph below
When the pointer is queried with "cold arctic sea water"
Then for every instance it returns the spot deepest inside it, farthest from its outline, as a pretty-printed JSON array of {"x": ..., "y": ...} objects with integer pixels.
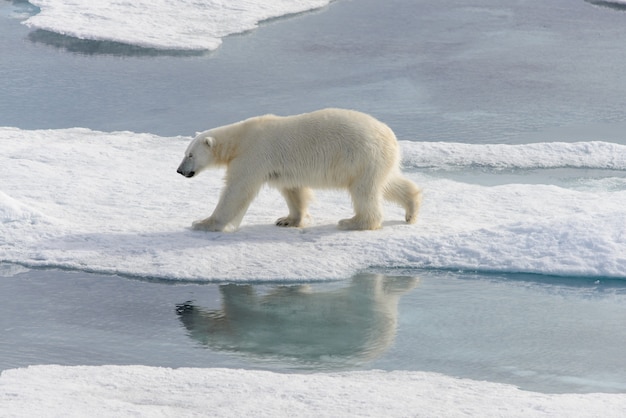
[
  {"x": 511, "y": 116},
  {"x": 540, "y": 333}
]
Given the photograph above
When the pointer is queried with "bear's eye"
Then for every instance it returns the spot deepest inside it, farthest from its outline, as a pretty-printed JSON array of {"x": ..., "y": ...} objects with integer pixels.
[{"x": 190, "y": 156}]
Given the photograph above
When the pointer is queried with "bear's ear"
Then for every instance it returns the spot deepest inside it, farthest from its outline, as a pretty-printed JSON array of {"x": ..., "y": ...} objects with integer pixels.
[{"x": 209, "y": 141}]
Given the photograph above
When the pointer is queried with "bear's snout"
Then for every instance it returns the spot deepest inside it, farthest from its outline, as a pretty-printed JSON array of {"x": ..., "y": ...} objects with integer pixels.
[
  {"x": 186, "y": 169},
  {"x": 187, "y": 174}
]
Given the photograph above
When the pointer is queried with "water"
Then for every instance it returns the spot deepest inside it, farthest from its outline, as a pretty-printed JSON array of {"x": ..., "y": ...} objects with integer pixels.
[
  {"x": 514, "y": 73},
  {"x": 541, "y": 333},
  {"x": 485, "y": 73}
]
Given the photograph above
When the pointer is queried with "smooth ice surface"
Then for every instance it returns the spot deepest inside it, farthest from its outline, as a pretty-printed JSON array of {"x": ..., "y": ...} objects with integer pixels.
[
  {"x": 161, "y": 24},
  {"x": 146, "y": 391},
  {"x": 113, "y": 203}
]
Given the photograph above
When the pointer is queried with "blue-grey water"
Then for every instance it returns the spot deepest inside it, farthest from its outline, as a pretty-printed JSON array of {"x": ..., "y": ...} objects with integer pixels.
[
  {"x": 489, "y": 71},
  {"x": 540, "y": 333},
  {"x": 486, "y": 72}
]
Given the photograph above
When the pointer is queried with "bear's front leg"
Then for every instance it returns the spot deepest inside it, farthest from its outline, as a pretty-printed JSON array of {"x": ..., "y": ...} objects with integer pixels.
[
  {"x": 209, "y": 224},
  {"x": 233, "y": 204}
]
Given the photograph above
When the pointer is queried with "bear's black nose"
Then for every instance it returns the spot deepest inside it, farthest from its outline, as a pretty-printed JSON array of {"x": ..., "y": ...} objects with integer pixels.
[{"x": 189, "y": 174}]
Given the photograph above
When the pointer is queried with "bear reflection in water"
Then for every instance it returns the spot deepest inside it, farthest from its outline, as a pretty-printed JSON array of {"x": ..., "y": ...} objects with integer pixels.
[{"x": 347, "y": 326}]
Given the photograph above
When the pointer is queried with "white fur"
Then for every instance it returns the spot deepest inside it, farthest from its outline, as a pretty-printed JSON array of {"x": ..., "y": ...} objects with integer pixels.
[{"x": 330, "y": 148}]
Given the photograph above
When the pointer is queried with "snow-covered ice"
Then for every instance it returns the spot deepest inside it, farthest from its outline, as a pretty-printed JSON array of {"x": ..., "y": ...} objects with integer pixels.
[
  {"x": 594, "y": 154},
  {"x": 113, "y": 203},
  {"x": 161, "y": 24},
  {"x": 149, "y": 392}
]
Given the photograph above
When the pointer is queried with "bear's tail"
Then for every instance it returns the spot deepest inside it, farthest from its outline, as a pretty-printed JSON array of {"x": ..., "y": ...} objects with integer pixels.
[{"x": 404, "y": 192}]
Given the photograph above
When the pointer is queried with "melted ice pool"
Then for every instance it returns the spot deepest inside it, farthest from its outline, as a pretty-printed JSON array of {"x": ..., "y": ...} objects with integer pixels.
[{"x": 540, "y": 333}]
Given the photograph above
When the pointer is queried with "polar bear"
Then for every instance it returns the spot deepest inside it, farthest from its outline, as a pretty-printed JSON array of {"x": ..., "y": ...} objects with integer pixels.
[{"x": 329, "y": 148}]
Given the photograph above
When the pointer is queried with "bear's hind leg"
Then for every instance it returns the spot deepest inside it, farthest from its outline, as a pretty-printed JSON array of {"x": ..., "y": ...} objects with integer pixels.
[
  {"x": 366, "y": 199},
  {"x": 405, "y": 193},
  {"x": 297, "y": 199}
]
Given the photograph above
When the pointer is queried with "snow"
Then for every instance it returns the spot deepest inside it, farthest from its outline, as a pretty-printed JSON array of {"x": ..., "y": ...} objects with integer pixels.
[
  {"x": 161, "y": 24},
  {"x": 122, "y": 391},
  {"x": 113, "y": 203},
  {"x": 594, "y": 154}
]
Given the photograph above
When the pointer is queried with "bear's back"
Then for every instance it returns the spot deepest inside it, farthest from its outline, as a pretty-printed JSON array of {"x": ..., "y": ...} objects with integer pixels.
[{"x": 328, "y": 148}]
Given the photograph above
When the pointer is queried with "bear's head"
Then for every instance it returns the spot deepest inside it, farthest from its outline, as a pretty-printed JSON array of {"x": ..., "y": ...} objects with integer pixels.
[{"x": 198, "y": 156}]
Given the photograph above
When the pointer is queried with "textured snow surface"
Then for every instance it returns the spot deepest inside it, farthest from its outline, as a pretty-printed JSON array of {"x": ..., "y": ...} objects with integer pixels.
[
  {"x": 162, "y": 24},
  {"x": 161, "y": 392},
  {"x": 113, "y": 203}
]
